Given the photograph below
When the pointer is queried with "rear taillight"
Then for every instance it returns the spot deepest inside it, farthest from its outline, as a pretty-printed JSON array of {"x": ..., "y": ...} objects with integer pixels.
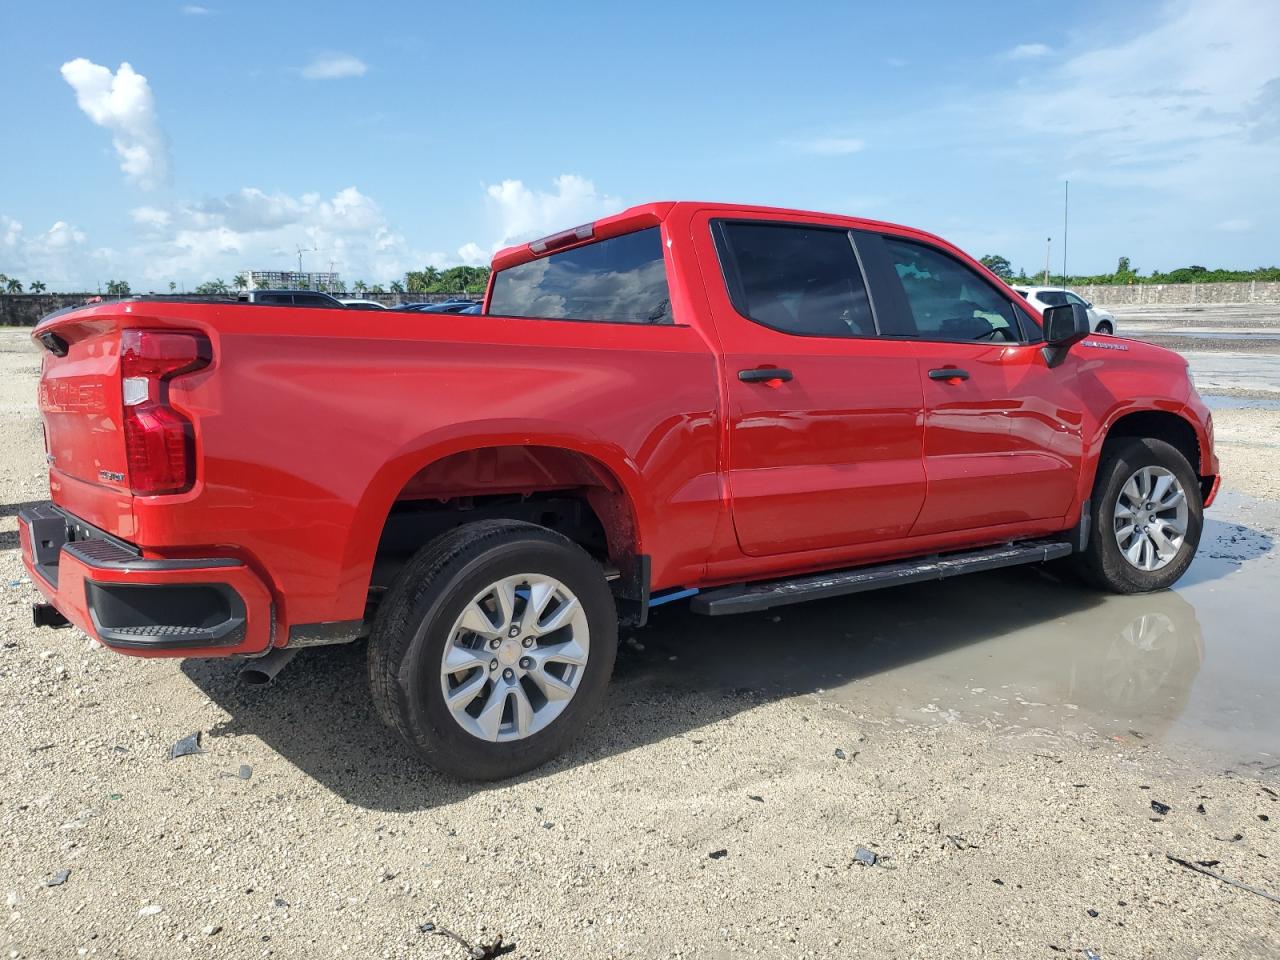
[{"x": 159, "y": 441}]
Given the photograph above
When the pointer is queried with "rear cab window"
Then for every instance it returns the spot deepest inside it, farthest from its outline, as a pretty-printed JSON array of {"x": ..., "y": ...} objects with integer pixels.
[
  {"x": 617, "y": 280},
  {"x": 795, "y": 278}
]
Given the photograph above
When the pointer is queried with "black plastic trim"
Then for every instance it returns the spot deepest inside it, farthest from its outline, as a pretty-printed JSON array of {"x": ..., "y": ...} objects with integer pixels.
[
  {"x": 146, "y": 615},
  {"x": 747, "y": 598},
  {"x": 631, "y": 591},
  {"x": 105, "y": 555},
  {"x": 325, "y": 633}
]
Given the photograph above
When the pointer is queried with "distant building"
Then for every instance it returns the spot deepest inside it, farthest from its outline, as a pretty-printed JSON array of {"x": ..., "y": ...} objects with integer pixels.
[{"x": 292, "y": 280}]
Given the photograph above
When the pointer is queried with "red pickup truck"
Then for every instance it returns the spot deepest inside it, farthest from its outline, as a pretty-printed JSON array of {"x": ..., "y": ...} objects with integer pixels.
[{"x": 742, "y": 405}]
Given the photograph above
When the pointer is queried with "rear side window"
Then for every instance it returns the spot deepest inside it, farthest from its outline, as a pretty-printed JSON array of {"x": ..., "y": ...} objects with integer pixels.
[
  {"x": 796, "y": 279},
  {"x": 619, "y": 280},
  {"x": 1054, "y": 298},
  {"x": 948, "y": 300}
]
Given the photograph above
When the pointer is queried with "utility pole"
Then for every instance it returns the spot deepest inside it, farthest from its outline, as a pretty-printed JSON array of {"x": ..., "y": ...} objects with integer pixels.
[
  {"x": 1066, "y": 193},
  {"x": 301, "y": 251},
  {"x": 1048, "y": 243}
]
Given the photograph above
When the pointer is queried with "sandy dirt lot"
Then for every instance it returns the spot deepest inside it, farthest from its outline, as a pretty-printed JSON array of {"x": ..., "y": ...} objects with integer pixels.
[{"x": 1020, "y": 754}]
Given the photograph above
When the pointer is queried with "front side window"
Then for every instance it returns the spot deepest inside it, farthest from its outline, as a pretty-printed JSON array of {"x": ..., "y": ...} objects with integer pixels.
[
  {"x": 619, "y": 280},
  {"x": 796, "y": 279},
  {"x": 1072, "y": 298},
  {"x": 949, "y": 301}
]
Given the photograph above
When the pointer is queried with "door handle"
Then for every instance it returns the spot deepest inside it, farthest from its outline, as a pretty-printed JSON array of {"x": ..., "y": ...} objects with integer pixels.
[
  {"x": 766, "y": 375},
  {"x": 949, "y": 374}
]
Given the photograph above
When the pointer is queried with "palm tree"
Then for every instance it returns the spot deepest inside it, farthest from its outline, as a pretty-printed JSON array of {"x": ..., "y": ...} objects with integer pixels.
[
  {"x": 172, "y": 286},
  {"x": 13, "y": 285},
  {"x": 397, "y": 286},
  {"x": 359, "y": 286},
  {"x": 37, "y": 286},
  {"x": 240, "y": 281}
]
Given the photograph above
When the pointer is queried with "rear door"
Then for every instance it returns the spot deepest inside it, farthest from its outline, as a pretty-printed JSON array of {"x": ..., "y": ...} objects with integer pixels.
[
  {"x": 824, "y": 416},
  {"x": 1002, "y": 430}
]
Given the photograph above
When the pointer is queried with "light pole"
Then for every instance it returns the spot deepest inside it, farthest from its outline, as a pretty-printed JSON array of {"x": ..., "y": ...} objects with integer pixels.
[
  {"x": 1066, "y": 192},
  {"x": 1048, "y": 243}
]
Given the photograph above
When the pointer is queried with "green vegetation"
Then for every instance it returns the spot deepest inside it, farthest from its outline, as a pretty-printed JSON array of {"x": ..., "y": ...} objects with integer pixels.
[
  {"x": 453, "y": 280},
  {"x": 1126, "y": 274},
  {"x": 118, "y": 288}
]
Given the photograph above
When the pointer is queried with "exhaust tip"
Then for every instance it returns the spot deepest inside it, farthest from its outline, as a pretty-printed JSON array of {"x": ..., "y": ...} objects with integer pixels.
[{"x": 262, "y": 671}]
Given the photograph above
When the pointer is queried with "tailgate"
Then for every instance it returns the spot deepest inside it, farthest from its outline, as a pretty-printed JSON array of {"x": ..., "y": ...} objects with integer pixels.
[{"x": 80, "y": 403}]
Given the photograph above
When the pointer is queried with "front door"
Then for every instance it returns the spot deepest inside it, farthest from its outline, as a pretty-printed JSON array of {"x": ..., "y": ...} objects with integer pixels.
[
  {"x": 825, "y": 434},
  {"x": 1002, "y": 435}
]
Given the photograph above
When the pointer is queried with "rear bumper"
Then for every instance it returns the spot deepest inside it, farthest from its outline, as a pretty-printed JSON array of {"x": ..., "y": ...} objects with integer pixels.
[{"x": 143, "y": 606}]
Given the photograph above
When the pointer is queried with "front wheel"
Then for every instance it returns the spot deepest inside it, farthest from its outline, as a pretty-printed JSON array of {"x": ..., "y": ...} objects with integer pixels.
[
  {"x": 1147, "y": 516},
  {"x": 493, "y": 649}
]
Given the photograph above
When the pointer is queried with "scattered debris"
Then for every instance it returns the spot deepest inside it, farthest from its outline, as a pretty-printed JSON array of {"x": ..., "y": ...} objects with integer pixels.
[
  {"x": 186, "y": 746},
  {"x": 212, "y": 930},
  {"x": 1200, "y": 808},
  {"x": 150, "y": 910},
  {"x": 1274, "y": 795},
  {"x": 840, "y": 754},
  {"x": 1263, "y": 817},
  {"x": 865, "y": 857},
  {"x": 1208, "y": 863},
  {"x": 58, "y": 879},
  {"x": 1160, "y": 808},
  {"x": 997, "y": 881},
  {"x": 480, "y": 952},
  {"x": 755, "y": 797},
  {"x": 14, "y": 900},
  {"x": 960, "y": 843},
  {"x": 245, "y": 771},
  {"x": 547, "y": 824},
  {"x": 718, "y": 854},
  {"x": 1092, "y": 954},
  {"x": 1093, "y": 913},
  {"x": 1217, "y": 876}
]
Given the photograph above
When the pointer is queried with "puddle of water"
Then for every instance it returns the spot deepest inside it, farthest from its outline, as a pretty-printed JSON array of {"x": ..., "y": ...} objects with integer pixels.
[
  {"x": 1021, "y": 651},
  {"x": 1220, "y": 402}
]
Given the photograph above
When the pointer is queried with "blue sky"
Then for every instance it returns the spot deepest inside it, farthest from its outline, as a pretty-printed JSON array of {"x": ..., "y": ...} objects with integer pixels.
[{"x": 394, "y": 135}]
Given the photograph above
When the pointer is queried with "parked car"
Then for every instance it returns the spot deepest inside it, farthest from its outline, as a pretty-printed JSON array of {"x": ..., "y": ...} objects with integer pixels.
[
  {"x": 1100, "y": 321},
  {"x": 740, "y": 405},
  {"x": 443, "y": 306},
  {"x": 360, "y": 304},
  {"x": 473, "y": 309},
  {"x": 289, "y": 298}
]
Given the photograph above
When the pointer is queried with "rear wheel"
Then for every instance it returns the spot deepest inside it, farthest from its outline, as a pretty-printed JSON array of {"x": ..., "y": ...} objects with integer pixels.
[
  {"x": 493, "y": 649},
  {"x": 1106, "y": 328},
  {"x": 1147, "y": 517}
]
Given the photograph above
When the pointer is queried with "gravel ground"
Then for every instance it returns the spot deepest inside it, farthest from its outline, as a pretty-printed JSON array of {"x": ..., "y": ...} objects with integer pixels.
[{"x": 708, "y": 823}]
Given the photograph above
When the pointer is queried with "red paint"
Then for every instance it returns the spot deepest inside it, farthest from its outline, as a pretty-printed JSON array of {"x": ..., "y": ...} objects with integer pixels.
[{"x": 310, "y": 424}]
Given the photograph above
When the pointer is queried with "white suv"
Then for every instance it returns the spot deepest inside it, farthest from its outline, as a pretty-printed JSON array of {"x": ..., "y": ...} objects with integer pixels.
[{"x": 1100, "y": 321}]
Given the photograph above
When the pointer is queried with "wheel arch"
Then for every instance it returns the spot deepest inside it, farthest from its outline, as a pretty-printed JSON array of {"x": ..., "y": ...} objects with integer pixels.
[{"x": 503, "y": 459}]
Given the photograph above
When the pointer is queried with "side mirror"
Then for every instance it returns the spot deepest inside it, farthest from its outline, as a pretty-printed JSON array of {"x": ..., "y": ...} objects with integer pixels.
[{"x": 1064, "y": 327}]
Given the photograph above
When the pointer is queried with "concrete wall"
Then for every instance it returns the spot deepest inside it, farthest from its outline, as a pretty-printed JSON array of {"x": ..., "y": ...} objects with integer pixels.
[
  {"x": 26, "y": 309},
  {"x": 1248, "y": 291}
]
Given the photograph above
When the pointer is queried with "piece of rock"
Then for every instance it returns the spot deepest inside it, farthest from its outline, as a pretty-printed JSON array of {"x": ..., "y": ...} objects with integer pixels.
[
  {"x": 865, "y": 857},
  {"x": 212, "y": 930},
  {"x": 58, "y": 879},
  {"x": 718, "y": 854},
  {"x": 245, "y": 771},
  {"x": 187, "y": 746},
  {"x": 1160, "y": 808},
  {"x": 150, "y": 910}
]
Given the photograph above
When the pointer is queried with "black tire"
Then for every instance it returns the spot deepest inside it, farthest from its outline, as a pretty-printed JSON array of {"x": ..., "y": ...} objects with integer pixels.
[
  {"x": 412, "y": 626},
  {"x": 1105, "y": 328},
  {"x": 1102, "y": 563}
]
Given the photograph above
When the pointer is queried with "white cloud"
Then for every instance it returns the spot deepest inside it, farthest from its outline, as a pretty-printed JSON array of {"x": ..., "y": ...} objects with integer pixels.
[
  {"x": 1234, "y": 225},
  {"x": 827, "y": 146},
  {"x": 523, "y": 214},
  {"x": 334, "y": 66},
  {"x": 122, "y": 103},
  {"x": 1027, "y": 51},
  {"x": 150, "y": 216},
  {"x": 195, "y": 10},
  {"x": 474, "y": 255},
  {"x": 59, "y": 257}
]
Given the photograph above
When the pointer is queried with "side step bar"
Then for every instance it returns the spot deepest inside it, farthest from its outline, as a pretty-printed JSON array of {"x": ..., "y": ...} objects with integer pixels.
[{"x": 746, "y": 598}]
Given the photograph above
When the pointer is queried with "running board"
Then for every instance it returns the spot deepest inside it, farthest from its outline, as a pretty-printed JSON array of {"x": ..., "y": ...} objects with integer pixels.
[{"x": 745, "y": 598}]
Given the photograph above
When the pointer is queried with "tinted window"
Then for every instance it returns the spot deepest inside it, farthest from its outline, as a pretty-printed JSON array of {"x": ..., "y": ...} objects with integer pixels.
[
  {"x": 313, "y": 300},
  {"x": 622, "y": 279},
  {"x": 797, "y": 279},
  {"x": 1053, "y": 298},
  {"x": 948, "y": 301},
  {"x": 275, "y": 298},
  {"x": 1072, "y": 298}
]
